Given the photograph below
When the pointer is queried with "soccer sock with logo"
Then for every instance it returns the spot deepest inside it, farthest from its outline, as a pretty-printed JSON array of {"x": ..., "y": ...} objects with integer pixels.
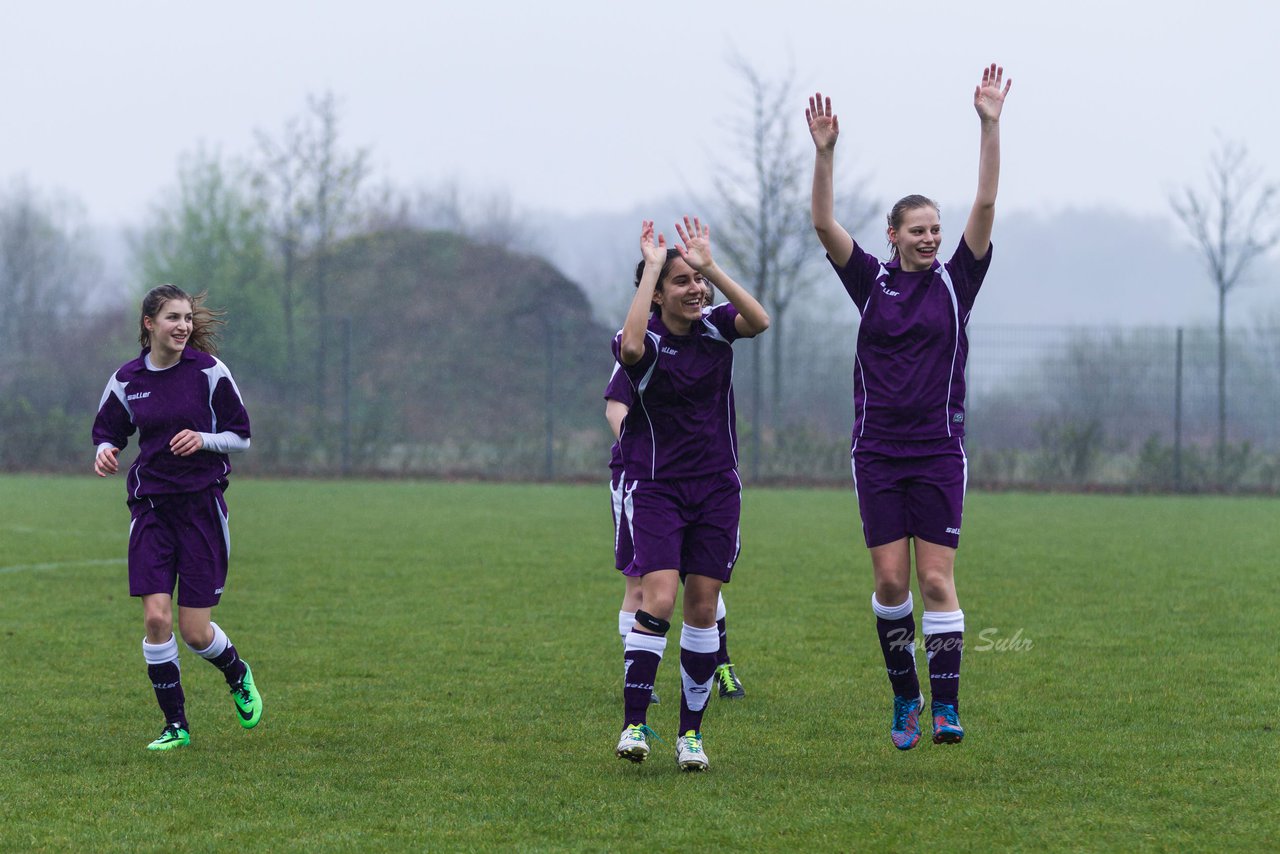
[
  {"x": 698, "y": 649},
  {"x": 722, "y": 654},
  {"x": 222, "y": 655},
  {"x": 897, "y": 630},
  {"x": 642, "y": 655},
  {"x": 166, "y": 679},
  {"x": 944, "y": 644}
]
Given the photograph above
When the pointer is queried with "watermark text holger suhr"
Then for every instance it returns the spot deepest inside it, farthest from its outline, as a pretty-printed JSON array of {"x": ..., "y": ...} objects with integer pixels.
[{"x": 987, "y": 640}]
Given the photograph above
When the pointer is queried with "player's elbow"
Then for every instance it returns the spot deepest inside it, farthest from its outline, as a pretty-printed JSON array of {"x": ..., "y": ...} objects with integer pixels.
[
  {"x": 630, "y": 352},
  {"x": 825, "y": 227},
  {"x": 753, "y": 324}
]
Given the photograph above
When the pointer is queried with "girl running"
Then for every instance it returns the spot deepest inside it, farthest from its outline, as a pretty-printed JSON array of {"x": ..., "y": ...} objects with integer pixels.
[{"x": 188, "y": 414}]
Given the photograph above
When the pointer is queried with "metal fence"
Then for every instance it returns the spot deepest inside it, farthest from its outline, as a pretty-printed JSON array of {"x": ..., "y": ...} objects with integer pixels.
[
  {"x": 1047, "y": 407},
  {"x": 1071, "y": 407}
]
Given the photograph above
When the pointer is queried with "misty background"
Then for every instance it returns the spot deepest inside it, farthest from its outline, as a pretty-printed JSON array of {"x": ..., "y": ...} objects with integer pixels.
[{"x": 422, "y": 219}]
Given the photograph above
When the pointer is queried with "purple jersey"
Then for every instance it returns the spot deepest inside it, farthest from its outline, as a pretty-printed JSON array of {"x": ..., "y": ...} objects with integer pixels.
[
  {"x": 198, "y": 394},
  {"x": 908, "y": 375},
  {"x": 619, "y": 389},
  {"x": 682, "y": 421}
]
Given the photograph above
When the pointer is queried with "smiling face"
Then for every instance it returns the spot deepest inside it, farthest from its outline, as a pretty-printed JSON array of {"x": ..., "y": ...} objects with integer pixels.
[
  {"x": 917, "y": 237},
  {"x": 168, "y": 330},
  {"x": 681, "y": 296}
]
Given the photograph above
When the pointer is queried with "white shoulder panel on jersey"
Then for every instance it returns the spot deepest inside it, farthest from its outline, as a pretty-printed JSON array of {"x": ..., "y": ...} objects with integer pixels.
[
  {"x": 215, "y": 373},
  {"x": 114, "y": 386}
]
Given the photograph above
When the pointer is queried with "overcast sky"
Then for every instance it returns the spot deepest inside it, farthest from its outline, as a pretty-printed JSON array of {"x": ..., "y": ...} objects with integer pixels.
[{"x": 582, "y": 105}]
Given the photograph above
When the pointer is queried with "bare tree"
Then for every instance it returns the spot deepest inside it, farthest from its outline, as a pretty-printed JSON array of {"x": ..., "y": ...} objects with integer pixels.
[
  {"x": 491, "y": 219},
  {"x": 767, "y": 234},
  {"x": 1233, "y": 223},
  {"x": 50, "y": 356},
  {"x": 279, "y": 182},
  {"x": 311, "y": 188},
  {"x": 46, "y": 270}
]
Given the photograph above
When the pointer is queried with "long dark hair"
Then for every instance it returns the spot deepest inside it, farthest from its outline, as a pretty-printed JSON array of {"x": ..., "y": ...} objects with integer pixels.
[
  {"x": 204, "y": 320},
  {"x": 899, "y": 211},
  {"x": 672, "y": 254}
]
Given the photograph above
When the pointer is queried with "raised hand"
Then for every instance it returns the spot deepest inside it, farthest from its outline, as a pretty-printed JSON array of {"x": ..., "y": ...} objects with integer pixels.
[
  {"x": 653, "y": 253},
  {"x": 697, "y": 243},
  {"x": 824, "y": 127},
  {"x": 988, "y": 98}
]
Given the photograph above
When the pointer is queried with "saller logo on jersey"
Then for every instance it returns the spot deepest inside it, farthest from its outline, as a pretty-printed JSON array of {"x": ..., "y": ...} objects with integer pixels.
[
  {"x": 889, "y": 292},
  {"x": 958, "y": 418},
  {"x": 670, "y": 352},
  {"x": 139, "y": 395}
]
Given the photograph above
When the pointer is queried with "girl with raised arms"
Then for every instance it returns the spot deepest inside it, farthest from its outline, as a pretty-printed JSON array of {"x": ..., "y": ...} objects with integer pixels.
[
  {"x": 907, "y": 455},
  {"x": 679, "y": 450}
]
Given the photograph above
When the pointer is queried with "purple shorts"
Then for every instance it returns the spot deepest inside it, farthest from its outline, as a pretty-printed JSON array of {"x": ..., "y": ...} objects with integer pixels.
[
  {"x": 623, "y": 553},
  {"x": 689, "y": 524},
  {"x": 182, "y": 538},
  {"x": 910, "y": 489}
]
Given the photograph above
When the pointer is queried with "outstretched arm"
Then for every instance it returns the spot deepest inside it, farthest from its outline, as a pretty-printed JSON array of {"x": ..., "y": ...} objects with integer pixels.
[
  {"x": 988, "y": 100},
  {"x": 752, "y": 319},
  {"x": 824, "y": 127},
  {"x": 631, "y": 347}
]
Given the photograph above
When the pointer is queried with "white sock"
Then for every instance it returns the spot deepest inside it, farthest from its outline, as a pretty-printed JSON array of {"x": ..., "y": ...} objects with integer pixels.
[
  {"x": 896, "y": 612},
  {"x": 216, "y": 647},
  {"x": 937, "y": 622},
  {"x": 160, "y": 653},
  {"x": 707, "y": 642}
]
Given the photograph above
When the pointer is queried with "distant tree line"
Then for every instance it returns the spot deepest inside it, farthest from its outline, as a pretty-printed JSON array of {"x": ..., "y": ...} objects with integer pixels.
[{"x": 378, "y": 331}]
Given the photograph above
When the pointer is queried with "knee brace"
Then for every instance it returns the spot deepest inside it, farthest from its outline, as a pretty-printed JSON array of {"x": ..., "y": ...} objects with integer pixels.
[{"x": 651, "y": 623}]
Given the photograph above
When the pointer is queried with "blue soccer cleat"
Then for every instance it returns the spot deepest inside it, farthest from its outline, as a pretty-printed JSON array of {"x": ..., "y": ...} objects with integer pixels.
[
  {"x": 905, "y": 729},
  {"x": 946, "y": 724}
]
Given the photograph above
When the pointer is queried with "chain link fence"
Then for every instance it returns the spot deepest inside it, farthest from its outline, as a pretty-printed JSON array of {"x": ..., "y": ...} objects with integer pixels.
[{"x": 1069, "y": 407}]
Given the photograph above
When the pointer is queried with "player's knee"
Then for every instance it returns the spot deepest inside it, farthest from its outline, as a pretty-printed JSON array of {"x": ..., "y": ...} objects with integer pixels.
[
  {"x": 700, "y": 614},
  {"x": 936, "y": 584},
  {"x": 659, "y": 604},
  {"x": 197, "y": 634},
  {"x": 158, "y": 624},
  {"x": 891, "y": 591}
]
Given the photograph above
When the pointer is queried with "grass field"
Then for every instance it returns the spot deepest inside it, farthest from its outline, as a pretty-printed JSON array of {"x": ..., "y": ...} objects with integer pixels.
[{"x": 441, "y": 671}]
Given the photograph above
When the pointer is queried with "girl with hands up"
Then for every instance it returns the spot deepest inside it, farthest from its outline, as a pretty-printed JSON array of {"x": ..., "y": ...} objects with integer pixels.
[
  {"x": 907, "y": 455},
  {"x": 679, "y": 449}
]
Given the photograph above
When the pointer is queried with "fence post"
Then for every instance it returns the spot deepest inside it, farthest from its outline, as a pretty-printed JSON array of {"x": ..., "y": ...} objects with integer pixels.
[
  {"x": 346, "y": 395},
  {"x": 549, "y": 463},
  {"x": 1177, "y": 412}
]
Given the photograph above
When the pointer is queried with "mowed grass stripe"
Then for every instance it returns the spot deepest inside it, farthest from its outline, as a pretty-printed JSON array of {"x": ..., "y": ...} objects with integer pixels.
[{"x": 441, "y": 671}]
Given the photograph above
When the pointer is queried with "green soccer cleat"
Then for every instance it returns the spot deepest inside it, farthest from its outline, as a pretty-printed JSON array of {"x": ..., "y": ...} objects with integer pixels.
[
  {"x": 248, "y": 700},
  {"x": 173, "y": 737},
  {"x": 728, "y": 681}
]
